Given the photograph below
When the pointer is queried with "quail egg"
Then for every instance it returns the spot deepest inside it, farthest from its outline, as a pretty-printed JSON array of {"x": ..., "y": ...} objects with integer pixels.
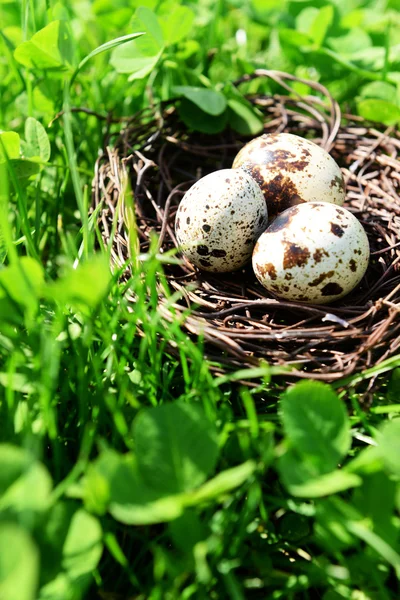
[
  {"x": 314, "y": 253},
  {"x": 291, "y": 170},
  {"x": 219, "y": 220}
]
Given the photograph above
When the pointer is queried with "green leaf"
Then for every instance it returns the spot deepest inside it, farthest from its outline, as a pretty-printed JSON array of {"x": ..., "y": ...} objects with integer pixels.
[
  {"x": 198, "y": 120},
  {"x": 222, "y": 483},
  {"x": 104, "y": 48},
  {"x": 19, "y": 564},
  {"x": 379, "y": 111},
  {"x": 187, "y": 530},
  {"x": 316, "y": 423},
  {"x": 23, "y": 283},
  {"x": 321, "y": 24},
  {"x": 14, "y": 461},
  {"x": 83, "y": 287},
  {"x": 176, "y": 26},
  {"x": 379, "y": 89},
  {"x": 25, "y": 170},
  {"x": 133, "y": 502},
  {"x": 30, "y": 493},
  {"x": 354, "y": 41},
  {"x": 243, "y": 118},
  {"x": 37, "y": 140},
  {"x": 176, "y": 446},
  {"x": 83, "y": 545},
  {"x": 362, "y": 531},
  {"x": 389, "y": 445},
  {"x": 10, "y": 144},
  {"x": 140, "y": 56},
  {"x": 49, "y": 48},
  {"x": 210, "y": 101},
  {"x": 301, "y": 479}
]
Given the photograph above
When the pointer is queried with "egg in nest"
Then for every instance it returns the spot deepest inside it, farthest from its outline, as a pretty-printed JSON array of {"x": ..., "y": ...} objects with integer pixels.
[
  {"x": 314, "y": 253},
  {"x": 291, "y": 170},
  {"x": 220, "y": 219}
]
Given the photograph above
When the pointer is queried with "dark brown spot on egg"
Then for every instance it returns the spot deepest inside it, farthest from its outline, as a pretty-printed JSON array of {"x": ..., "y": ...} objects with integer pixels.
[
  {"x": 188, "y": 220},
  {"x": 353, "y": 265},
  {"x": 204, "y": 262},
  {"x": 288, "y": 276},
  {"x": 331, "y": 289},
  {"x": 336, "y": 230},
  {"x": 319, "y": 253},
  {"x": 203, "y": 250},
  {"x": 295, "y": 256},
  {"x": 177, "y": 224},
  {"x": 321, "y": 278},
  {"x": 357, "y": 251},
  {"x": 218, "y": 253},
  {"x": 337, "y": 182},
  {"x": 206, "y": 228},
  {"x": 267, "y": 269}
]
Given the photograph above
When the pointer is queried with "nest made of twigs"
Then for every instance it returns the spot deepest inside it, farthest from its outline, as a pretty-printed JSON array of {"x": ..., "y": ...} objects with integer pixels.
[{"x": 240, "y": 321}]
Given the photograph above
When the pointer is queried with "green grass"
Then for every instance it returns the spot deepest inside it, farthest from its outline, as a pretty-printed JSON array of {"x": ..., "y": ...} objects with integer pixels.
[{"x": 128, "y": 470}]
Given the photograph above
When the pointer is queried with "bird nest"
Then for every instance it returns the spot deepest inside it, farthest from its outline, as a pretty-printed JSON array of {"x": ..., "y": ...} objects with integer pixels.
[{"x": 239, "y": 320}]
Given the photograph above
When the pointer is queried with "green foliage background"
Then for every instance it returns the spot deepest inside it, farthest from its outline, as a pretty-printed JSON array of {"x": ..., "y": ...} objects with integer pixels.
[{"x": 125, "y": 472}]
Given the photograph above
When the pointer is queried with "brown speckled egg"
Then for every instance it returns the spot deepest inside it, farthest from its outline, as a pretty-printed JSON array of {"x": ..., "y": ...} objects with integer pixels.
[
  {"x": 314, "y": 253},
  {"x": 291, "y": 170},
  {"x": 219, "y": 220}
]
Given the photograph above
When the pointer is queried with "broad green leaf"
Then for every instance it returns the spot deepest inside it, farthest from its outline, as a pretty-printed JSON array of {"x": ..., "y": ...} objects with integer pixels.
[
  {"x": 375, "y": 499},
  {"x": 316, "y": 423},
  {"x": 379, "y": 111},
  {"x": 210, "y": 101},
  {"x": 30, "y": 493},
  {"x": 19, "y": 564},
  {"x": 187, "y": 530},
  {"x": 222, "y": 483},
  {"x": 198, "y": 120},
  {"x": 321, "y": 24},
  {"x": 176, "y": 447},
  {"x": 306, "y": 18},
  {"x": 49, "y": 48},
  {"x": 14, "y": 461},
  {"x": 389, "y": 445},
  {"x": 9, "y": 145},
  {"x": 301, "y": 479},
  {"x": 243, "y": 118},
  {"x": 83, "y": 545},
  {"x": 133, "y": 502},
  {"x": 37, "y": 140},
  {"x": 114, "y": 482},
  {"x": 357, "y": 39},
  {"x": 176, "y": 26},
  {"x": 330, "y": 530},
  {"x": 379, "y": 89},
  {"x": 140, "y": 56},
  {"x": 112, "y": 14},
  {"x": 83, "y": 287},
  {"x": 25, "y": 170},
  {"x": 23, "y": 283},
  {"x": 104, "y": 48}
]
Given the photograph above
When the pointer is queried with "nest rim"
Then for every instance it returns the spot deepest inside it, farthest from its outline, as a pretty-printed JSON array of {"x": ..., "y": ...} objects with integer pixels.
[{"x": 244, "y": 324}]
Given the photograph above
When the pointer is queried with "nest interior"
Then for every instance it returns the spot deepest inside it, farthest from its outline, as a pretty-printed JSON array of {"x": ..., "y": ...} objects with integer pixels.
[{"x": 240, "y": 321}]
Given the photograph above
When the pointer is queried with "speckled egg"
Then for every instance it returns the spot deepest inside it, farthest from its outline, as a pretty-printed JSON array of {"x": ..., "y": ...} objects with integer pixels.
[
  {"x": 314, "y": 253},
  {"x": 219, "y": 220},
  {"x": 291, "y": 170}
]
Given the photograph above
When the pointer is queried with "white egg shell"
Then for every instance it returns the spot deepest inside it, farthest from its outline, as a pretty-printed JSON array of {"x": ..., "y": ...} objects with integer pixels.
[
  {"x": 291, "y": 170},
  {"x": 220, "y": 219},
  {"x": 314, "y": 253}
]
